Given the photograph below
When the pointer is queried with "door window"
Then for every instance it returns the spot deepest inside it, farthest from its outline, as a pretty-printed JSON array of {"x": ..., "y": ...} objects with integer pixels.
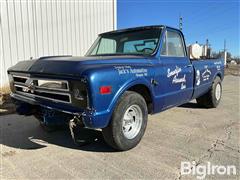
[{"x": 172, "y": 45}]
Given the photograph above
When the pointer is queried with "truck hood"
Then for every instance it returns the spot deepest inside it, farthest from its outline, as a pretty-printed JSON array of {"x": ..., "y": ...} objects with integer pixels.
[{"x": 69, "y": 65}]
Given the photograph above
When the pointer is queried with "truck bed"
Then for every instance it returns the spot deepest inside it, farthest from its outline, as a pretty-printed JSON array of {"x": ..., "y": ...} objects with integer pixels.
[{"x": 205, "y": 72}]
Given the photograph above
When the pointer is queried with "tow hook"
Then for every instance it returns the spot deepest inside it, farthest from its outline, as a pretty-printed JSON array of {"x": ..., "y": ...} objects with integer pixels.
[
  {"x": 73, "y": 126},
  {"x": 82, "y": 136}
]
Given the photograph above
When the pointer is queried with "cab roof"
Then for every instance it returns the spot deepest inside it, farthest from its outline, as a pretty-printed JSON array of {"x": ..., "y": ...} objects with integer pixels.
[{"x": 138, "y": 28}]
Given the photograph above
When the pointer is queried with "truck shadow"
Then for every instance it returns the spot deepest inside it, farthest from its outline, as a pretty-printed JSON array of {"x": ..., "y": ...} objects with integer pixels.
[
  {"x": 191, "y": 105},
  {"x": 26, "y": 133}
]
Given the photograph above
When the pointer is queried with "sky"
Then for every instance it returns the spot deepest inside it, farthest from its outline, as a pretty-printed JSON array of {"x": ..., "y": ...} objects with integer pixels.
[{"x": 202, "y": 19}]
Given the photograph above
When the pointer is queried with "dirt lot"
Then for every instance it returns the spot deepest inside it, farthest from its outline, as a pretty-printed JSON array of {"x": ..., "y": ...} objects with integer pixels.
[
  {"x": 186, "y": 133},
  {"x": 232, "y": 70}
]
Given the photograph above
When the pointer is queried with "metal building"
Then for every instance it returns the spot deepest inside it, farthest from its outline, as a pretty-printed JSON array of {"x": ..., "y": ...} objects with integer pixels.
[{"x": 35, "y": 28}]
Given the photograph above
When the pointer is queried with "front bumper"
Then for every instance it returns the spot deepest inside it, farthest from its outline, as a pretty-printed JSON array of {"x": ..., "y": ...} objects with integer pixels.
[{"x": 90, "y": 118}]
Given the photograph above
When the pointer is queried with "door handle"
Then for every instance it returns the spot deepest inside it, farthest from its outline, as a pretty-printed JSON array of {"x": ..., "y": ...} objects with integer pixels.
[
  {"x": 188, "y": 66},
  {"x": 154, "y": 82}
]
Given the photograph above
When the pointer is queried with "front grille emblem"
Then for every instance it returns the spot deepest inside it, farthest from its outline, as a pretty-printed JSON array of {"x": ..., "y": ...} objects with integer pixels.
[
  {"x": 30, "y": 86},
  {"x": 49, "y": 89}
]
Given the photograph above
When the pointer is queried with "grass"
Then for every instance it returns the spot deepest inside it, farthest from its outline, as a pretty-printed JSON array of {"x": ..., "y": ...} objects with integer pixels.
[
  {"x": 6, "y": 105},
  {"x": 5, "y": 90},
  {"x": 4, "y": 94}
]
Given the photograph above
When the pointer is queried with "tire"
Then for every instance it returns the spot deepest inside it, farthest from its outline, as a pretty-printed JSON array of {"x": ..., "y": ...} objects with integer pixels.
[
  {"x": 212, "y": 98},
  {"x": 128, "y": 123}
]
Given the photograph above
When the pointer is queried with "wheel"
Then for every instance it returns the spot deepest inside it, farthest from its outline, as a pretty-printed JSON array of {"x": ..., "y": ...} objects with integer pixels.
[
  {"x": 212, "y": 98},
  {"x": 128, "y": 123}
]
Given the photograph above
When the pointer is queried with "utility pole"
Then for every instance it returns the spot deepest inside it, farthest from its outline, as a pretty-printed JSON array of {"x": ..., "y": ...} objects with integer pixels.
[
  {"x": 225, "y": 45},
  {"x": 225, "y": 52},
  {"x": 208, "y": 48},
  {"x": 180, "y": 22}
]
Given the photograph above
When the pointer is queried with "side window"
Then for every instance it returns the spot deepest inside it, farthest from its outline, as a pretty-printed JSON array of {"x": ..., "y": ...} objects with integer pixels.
[
  {"x": 107, "y": 46},
  {"x": 94, "y": 51},
  {"x": 173, "y": 45}
]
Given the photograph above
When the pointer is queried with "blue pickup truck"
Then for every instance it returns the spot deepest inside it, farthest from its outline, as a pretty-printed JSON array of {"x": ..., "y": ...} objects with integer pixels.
[{"x": 126, "y": 75}]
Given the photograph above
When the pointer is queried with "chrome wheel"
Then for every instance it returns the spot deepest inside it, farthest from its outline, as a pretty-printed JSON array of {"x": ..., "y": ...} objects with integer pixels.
[
  {"x": 132, "y": 121},
  {"x": 218, "y": 91}
]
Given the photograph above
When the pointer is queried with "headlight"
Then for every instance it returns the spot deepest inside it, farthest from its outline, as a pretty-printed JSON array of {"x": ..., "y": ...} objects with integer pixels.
[{"x": 52, "y": 84}]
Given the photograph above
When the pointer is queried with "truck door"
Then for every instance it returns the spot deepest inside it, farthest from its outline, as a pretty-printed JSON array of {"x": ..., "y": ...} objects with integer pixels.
[{"x": 177, "y": 76}]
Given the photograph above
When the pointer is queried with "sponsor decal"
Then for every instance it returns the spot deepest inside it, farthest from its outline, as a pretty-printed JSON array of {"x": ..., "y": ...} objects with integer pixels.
[
  {"x": 176, "y": 80},
  {"x": 206, "y": 74},
  {"x": 218, "y": 62},
  {"x": 198, "y": 78},
  {"x": 218, "y": 67},
  {"x": 175, "y": 72},
  {"x": 138, "y": 72}
]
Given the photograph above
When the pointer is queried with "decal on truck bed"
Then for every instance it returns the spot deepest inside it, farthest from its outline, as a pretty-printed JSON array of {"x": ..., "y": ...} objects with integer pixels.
[
  {"x": 218, "y": 63},
  {"x": 218, "y": 67},
  {"x": 198, "y": 79},
  {"x": 206, "y": 74}
]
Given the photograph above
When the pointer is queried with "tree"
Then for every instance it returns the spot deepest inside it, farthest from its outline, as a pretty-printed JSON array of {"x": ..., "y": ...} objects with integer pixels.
[{"x": 229, "y": 55}]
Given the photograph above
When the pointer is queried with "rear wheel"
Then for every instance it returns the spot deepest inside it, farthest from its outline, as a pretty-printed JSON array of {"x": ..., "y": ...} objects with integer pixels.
[
  {"x": 128, "y": 122},
  {"x": 212, "y": 98}
]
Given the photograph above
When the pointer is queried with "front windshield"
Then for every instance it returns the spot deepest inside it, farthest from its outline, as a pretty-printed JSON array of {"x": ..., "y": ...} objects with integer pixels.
[{"x": 136, "y": 42}]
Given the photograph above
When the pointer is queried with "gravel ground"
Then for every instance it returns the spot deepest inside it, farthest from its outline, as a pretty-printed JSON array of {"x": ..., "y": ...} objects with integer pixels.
[{"x": 185, "y": 133}]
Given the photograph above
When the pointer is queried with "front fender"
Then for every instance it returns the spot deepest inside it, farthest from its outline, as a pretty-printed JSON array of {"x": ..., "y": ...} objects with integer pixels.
[
  {"x": 101, "y": 119},
  {"x": 125, "y": 87},
  {"x": 104, "y": 104}
]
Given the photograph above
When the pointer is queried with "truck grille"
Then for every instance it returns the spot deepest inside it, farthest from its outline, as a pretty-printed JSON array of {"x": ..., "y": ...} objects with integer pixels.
[{"x": 50, "y": 89}]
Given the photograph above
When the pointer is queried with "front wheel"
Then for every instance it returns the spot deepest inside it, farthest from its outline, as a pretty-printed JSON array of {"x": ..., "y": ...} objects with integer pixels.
[
  {"x": 128, "y": 123},
  {"x": 212, "y": 98}
]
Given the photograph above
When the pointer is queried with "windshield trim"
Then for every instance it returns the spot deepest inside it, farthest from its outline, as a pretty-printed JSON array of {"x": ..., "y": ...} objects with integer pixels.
[
  {"x": 100, "y": 36},
  {"x": 120, "y": 54}
]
